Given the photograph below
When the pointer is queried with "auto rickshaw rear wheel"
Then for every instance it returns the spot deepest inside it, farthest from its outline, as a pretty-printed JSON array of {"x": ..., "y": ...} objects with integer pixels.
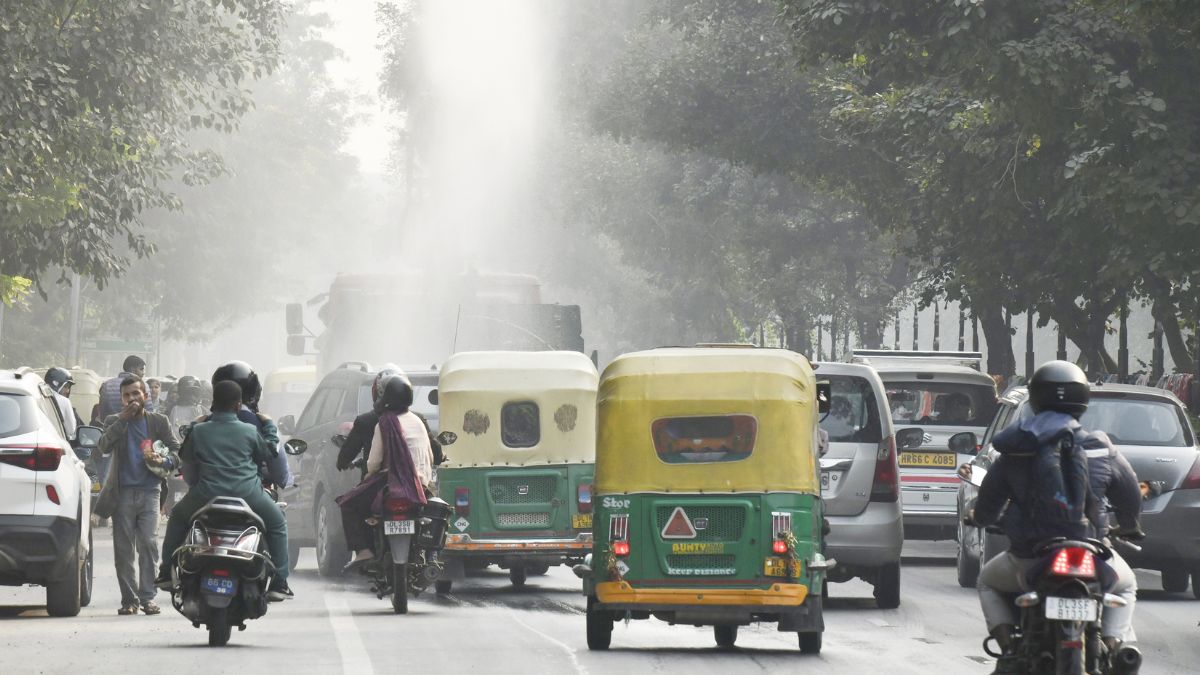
[
  {"x": 726, "y": 636},
  {"x": 537, "y": 570},
  {"x": 810, "y": 643},
  {"x": 443, "y": 586},
  {"x": 599, "y": 627},
  {"x": 516, "y": 574}
]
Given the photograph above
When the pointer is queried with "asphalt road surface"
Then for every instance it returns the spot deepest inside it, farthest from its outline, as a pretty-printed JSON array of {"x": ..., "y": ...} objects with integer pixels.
[{"x": 485, "y": 625}]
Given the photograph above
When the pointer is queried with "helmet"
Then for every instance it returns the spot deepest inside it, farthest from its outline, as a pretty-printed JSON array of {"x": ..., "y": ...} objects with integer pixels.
[
  {"x": 385, "y": 372},
  {"x": 396, "y": 394},
  {"x": 188, "y": 390},
  {"x": 57, "y": 378},
  {"x": 244, "y": 375},
  {"x": 1060, "y": 386}
]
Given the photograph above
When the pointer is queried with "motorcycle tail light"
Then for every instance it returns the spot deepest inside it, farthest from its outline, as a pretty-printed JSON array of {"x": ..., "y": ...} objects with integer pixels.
[
  {"x": 583, "y": 497},
  {"x": 395, "y": 507},
  {"x": 462, "y": 501},
  {"x": 1074, "y": 562}
]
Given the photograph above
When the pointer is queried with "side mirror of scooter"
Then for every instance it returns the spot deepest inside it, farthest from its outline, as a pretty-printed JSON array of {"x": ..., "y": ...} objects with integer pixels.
[
  {"x": 338, "y": 440},
  {"x": 447, "y": 438},
  {"x": 964, "y": 443},
  {"x": 295, "y": 446},
  {"x": 910, "y": 439}
]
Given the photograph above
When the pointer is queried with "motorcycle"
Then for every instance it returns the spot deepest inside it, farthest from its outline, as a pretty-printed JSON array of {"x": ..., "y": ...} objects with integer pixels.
[{"x": 221, "y": 574}]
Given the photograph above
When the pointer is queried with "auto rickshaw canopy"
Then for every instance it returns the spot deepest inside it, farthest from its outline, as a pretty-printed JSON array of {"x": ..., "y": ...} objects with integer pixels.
[
  {"x": 518, "y": 408},
  {"x": 707, "y": 420}
]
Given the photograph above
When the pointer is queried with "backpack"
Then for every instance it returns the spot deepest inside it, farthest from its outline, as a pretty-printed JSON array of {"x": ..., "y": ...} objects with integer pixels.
[{"x": 1058, "y": 493}]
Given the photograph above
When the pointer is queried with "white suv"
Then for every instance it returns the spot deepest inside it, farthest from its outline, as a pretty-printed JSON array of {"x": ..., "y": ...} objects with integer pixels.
[{"x": 45, "y": 496}]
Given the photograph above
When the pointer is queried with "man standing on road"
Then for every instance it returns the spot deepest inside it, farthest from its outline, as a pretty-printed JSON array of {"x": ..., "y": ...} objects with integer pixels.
[
  {"x": 131, "y": 492},
  {"x": 111, "y": 403}
]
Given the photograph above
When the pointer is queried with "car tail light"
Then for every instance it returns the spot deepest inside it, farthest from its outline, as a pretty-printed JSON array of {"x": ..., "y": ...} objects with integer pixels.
[
  {"x": 620, "y": 549},
  {"x": 32, "y": 457},
  {"x": 462, "y": 501},
  {"x": 52, "y": 494},
  {"x": 583, "y": 497},
  {"x": 886, "y": 485},
  {"x": 618, "y": 527},
  {"x": 1074, "y": 562},
  {"x": 1192, "y": 480}
]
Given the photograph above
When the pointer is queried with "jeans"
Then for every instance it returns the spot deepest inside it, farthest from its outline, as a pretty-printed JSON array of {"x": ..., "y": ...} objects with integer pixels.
[
  {"x": 134, "y": 526},
  {"x": 257, "y": 500},
  {"x": 1003, "y": 576}
]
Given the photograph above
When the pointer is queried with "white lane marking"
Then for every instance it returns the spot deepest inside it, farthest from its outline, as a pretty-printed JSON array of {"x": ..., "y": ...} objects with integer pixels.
[
  {"x": 561, "y": 645},
  {"x": 355, "y": 659}
]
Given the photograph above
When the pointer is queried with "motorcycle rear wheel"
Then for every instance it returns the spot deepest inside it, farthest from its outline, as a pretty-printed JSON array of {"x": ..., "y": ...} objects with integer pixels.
[
  {"x": 400, "y": 588},
  {"x": 219, "y": 628},
  {"x": 1067, "y": 660}
]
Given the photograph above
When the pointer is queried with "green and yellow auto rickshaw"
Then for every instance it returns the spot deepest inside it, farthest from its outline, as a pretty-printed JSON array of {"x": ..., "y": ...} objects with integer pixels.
[
  {"x": 708, "y": 504},
  {"x": 519, "y": 433}
]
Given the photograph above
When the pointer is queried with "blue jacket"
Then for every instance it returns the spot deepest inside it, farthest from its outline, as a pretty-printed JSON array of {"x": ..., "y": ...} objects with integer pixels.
[{"x": 1113, "y": 483}]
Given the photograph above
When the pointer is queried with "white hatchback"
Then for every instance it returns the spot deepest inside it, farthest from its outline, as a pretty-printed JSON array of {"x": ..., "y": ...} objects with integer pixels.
[{"x": 45, "y": 496}]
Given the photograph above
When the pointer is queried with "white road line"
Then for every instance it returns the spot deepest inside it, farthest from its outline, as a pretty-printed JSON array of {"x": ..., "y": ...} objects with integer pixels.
[
  {"x": 355, "y": 660},
  {"x": 562, "y": 645}
]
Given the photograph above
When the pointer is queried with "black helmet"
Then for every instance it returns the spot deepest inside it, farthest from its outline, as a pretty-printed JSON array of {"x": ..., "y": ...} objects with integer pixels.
[
  {"x": 384, "y": 373},
  {"x": 188, "y": 390},
  {"x": 1060, "y": 386},
  {"x": 396, "y": 394},
  {"x": 58, "y": 378},
  {"x": 244, "y": 375}
]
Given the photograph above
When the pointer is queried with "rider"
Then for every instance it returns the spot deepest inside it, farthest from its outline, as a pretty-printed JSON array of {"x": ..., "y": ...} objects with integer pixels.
[
  {"x": 1058, "y": 396},
  {"x": 220, "y": 459},
  {"x": 278, "y": 471},
  {"x": 59, "y": 380},
  {"x": 362, "y": 431},
  {"x": 186, "y": 407},
  {"x": 395, "y": 399}
]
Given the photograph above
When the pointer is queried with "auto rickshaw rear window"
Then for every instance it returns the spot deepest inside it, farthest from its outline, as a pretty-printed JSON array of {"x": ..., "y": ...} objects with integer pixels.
[
  {"x": 704, "y": 440},
  {"x": 520, "y": 426}
]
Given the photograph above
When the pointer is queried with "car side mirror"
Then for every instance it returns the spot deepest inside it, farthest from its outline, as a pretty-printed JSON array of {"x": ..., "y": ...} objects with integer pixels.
[
  {"x": 297, "y": 345},
  {"x": 824, "y": 397},
  {"x": 973, "y": 474},
  {"x": 433, "y": 397},
  {"x": 338, "y": 440},
  {"x": 910, "y": 439},
  {"x": 287, "y": 424},
  {"x": 88, "y": 437},
  {"x": 964, "y": 443},
  {"x": 295, "y": 446},
  {"x": 294, "y": 318},
  {"x": 447, "y": 438}
]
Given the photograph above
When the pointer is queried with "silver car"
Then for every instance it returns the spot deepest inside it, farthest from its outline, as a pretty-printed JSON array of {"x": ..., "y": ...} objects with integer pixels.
[
  {"x": 859, "y": 482},
  {"x": 1151, "y": 429}
]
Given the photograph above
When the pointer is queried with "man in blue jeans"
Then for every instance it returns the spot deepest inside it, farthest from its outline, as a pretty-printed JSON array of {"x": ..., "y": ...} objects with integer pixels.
[{"x": 131, "y": 491}]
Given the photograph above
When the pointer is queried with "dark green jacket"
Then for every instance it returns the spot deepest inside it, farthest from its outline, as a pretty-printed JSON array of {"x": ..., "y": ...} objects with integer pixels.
[{"x": 222, "y": 456}]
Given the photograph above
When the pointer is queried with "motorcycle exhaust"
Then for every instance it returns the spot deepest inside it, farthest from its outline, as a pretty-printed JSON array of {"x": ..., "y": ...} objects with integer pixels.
[{"x": 1128, "y": 660}]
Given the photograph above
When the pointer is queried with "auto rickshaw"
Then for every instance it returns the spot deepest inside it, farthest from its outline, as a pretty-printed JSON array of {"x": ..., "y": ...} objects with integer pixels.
[
  {"x": 519, "y": 433},
  {"x": 708, "y": 503}
]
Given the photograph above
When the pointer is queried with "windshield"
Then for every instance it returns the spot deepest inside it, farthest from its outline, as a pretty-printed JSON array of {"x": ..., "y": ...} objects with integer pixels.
[
  {"x": 853, "y": 414},
  {"x": 701, "y": 440},
  {"x": 1129, "y": 421},
  {"x": 950, "y": 404}
]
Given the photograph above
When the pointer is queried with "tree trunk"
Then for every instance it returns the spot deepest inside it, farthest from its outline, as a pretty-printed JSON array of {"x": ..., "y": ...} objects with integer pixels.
[
  {"x": 1001, "y": 360},
  {"x": 1165, "y": 312}
]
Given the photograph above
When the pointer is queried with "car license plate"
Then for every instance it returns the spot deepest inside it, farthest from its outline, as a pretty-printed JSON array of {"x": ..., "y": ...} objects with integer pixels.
[
  {"x": 829, "y": 480},
  {"x": 937, "y": 460},
  {"x": 399, "y": 526},
  {"x": 778, "y": 567},
  {"x": 581, "y": 521},
  {"x": 1072, "y": 609},
  {"x": 219, "y": 585}
]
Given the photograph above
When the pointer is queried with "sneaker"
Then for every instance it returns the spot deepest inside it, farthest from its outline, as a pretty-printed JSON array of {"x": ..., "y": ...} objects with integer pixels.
[
  {"x": 164, "y": 582},
  {"x": 150, "y": 609},
  {"x": 127, "y": 610},
  {"x": 279, "y": 592}
]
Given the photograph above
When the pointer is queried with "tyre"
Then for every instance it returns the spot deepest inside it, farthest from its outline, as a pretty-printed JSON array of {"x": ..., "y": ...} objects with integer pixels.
[
  {"x": 86, "y": 575},
  {"x": 331, "y": 543},
  {"x": 599, "y": 627},
  {"x": 400, "y": 589},
  {"x": 1068, "y": 657},
  {"x": 537, "y": 570},
  {"x": 293, "y": 556},
  {"x": 887, "y": 586},
  {"x": 726, "y": 636},
  {"x": 218, "y": 628},
  {"x": 443, "y": 586},
  {"x": 968, "y": 565},
  {"x": 1175, "y": 580},
  {"x": 1196, "y": 584},
  {"x": 63, "y": 596},
  {"x": 516, "y": 574},
  {"x": 810, "y": 643}
]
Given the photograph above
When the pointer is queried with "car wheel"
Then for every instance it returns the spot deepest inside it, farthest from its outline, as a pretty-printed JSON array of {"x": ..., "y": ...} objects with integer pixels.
[
  {"x": 599, "y": 627},
  {"x": 86, "y": 575},
  {"x": 968, "y": 565},
  {"x": 1196, "y": 584},
  {"x": 887, "y": 587},
  {"x": 331, "y": 543},
  {"x": 63, "y": 596},
  {"x": 1175, "y": 580}
]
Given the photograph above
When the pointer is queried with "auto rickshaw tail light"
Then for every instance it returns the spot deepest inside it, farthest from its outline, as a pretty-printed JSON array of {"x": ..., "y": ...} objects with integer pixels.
[
  {"x": 886, "y": 485},
  {"x": 462, "y": 501},
  {"x": 620, "y": 549},
  {"x": 779, "y": 547},
  {"x": 583, "y": 497}
]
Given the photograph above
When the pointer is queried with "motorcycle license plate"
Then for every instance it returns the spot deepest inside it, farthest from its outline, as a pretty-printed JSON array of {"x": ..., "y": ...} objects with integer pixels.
[
  {"x": 219, "y": 585},
  {"x": 1072, "y": 609},
  {"x": 399, "y": 526}
]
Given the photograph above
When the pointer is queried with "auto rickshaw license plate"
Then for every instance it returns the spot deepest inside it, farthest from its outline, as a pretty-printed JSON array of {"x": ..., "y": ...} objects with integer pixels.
[
  {"x": 581, "y": 521},
  {"x": 937, "y": 460},
  {"x": 398, "y": 527},
  {"x": 778, "y": 567}
]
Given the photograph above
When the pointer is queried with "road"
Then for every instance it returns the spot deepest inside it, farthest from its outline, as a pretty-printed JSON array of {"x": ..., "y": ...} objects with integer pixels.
[{"x": 487, "y": 626}]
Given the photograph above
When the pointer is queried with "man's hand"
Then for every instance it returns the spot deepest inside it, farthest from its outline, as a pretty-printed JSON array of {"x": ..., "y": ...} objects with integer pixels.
[{"x": 131, "y": 411}]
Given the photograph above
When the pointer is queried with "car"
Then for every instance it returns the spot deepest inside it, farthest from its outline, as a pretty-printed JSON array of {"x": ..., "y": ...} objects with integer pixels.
[
  {"x": 942, "y": 394},
  {"x": 45, "y": 496},
  {"x": 313, "y": 516},
  {"x": 859, "y": 482},
  {"x": 1150, "y": 427}
]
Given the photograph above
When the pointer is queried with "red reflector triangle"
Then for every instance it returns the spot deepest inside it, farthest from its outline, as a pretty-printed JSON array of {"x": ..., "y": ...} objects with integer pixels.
[{"x": 678, "y": 526}]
